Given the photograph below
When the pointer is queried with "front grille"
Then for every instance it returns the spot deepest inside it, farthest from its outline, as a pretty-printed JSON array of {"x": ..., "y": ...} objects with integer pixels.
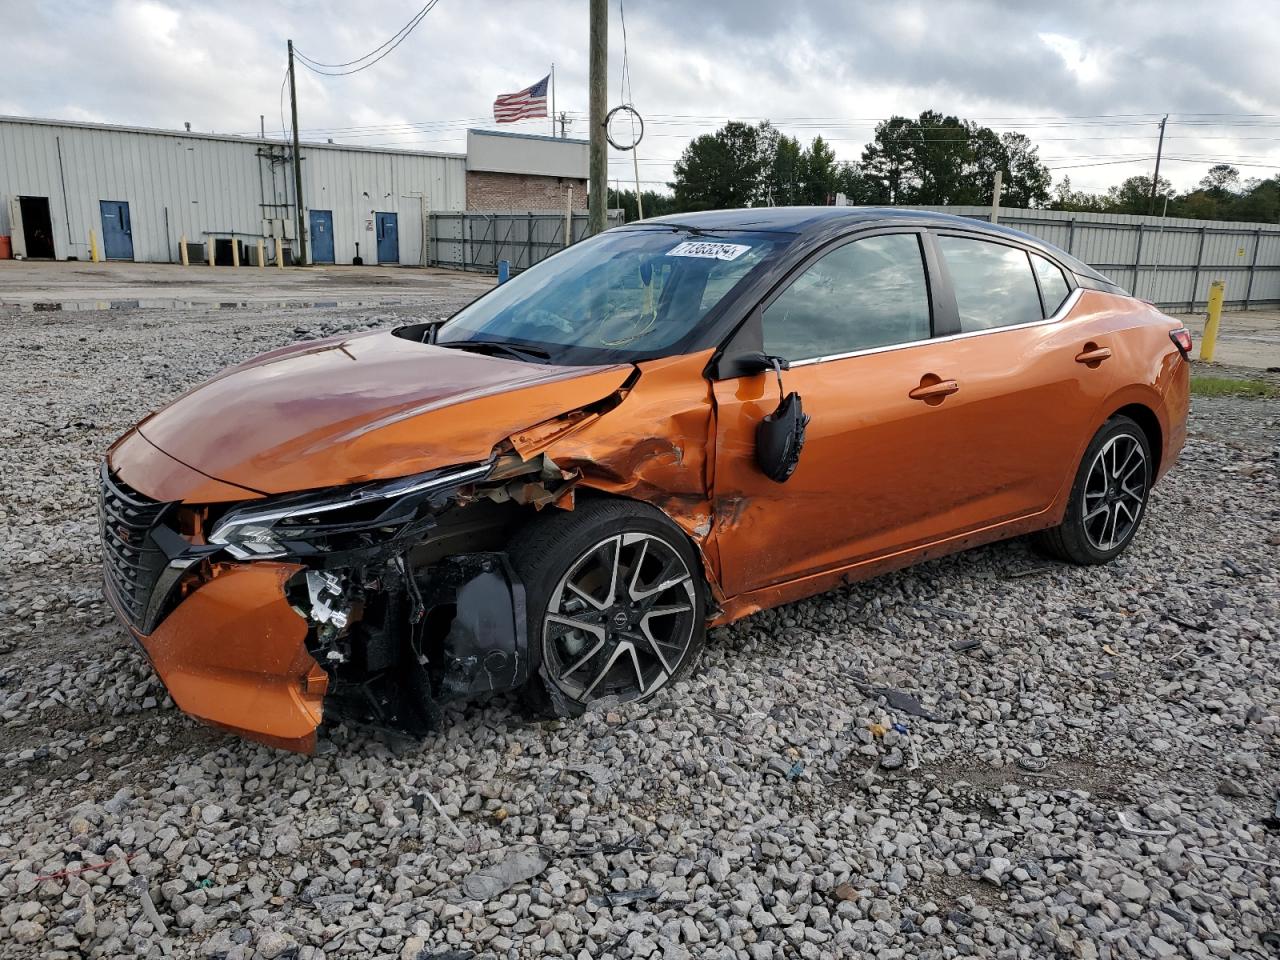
[{"x": 130, "y": 558}]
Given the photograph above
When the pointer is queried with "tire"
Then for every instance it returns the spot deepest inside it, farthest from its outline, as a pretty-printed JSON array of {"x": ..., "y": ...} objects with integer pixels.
[
  {"x": 587, "y": 642},
  {"x": 1104, "y": 510}
]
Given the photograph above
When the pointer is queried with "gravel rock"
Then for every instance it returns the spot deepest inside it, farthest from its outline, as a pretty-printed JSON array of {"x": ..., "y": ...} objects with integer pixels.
[{"x": 989, "y": 828}]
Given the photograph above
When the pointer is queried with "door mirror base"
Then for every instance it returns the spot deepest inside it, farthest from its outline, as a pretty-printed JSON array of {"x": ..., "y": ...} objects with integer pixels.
[{"x": 780, "y": 435}]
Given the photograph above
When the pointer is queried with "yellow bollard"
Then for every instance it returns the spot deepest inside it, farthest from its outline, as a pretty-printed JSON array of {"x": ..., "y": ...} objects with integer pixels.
[
  {"x": 209, "y": 245},
  {"x": 182, "y": 251},
  {"x": 1217, "y": 290},
  {"x": 262, "y": 254},
  {"x": 235, "y": 252},
  {"x": 93, "y": 247},
  {"x": 279, "y": 254}
]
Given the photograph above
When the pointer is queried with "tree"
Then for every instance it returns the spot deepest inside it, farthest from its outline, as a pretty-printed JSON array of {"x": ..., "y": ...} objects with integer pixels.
[
  {"x": 655, "y": 204},
  {"x": 820, "y": 173},
  {"x": 858, "y": 188},
  {"x": 937, "y": 159},
  {"x": 784, "y": 181},
  {"x": 1260, "y": 201},
  {"x": 1064, "y": 198},
  {"x": 1026, "y": 179},
  {"x": 1222, "y": 179},
  {"x": 886, "y": 161},
  {"x": 723, "y": 169},
  {"x": 1134, "y": 195}
]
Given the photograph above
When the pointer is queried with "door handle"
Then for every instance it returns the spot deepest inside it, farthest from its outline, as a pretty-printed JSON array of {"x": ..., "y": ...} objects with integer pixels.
[
  {"x": 935, "y": 390},
  {"x": 1093, "y": 353}
]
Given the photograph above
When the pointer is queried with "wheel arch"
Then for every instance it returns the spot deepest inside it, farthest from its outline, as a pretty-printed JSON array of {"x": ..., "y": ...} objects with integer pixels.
[
  {"x": 687, "y": 521},
  {"x": 1146, "y": 418}
]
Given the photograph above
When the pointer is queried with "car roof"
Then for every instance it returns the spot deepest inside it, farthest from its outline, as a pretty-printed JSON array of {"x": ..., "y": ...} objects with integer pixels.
[{"x": 802, "y": 220}]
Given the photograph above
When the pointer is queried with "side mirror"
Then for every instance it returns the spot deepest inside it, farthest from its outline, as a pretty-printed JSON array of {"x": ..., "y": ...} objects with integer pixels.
[{"x": 780, "y": 435}]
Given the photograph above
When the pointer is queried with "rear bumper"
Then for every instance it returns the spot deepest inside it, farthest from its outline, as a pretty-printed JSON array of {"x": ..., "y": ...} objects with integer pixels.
[{"x": 233, "y": 654}]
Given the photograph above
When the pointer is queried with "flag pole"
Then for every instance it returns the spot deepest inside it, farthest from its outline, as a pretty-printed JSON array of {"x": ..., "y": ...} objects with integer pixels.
[{"x": 553, "y": 99}]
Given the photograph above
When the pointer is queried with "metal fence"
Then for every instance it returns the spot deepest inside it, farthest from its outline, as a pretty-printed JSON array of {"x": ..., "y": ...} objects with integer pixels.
[
  {"x": 1168, "y": 260},
  {"x": 477, "y": 241}
]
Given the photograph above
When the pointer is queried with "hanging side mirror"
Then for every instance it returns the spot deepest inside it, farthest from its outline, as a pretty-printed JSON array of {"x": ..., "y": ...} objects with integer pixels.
[{"x": 780, "y": 435}]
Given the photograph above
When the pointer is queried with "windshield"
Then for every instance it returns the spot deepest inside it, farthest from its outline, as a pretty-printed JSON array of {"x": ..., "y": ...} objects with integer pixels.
[{"x": 619, "y": 296}]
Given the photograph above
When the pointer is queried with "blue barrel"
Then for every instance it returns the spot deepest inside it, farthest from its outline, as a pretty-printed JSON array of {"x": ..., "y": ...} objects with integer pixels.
[{"x": 504, "y": 271}]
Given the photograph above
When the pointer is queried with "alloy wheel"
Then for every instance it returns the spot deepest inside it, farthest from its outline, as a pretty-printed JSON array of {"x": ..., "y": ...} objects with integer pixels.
[
  {"x": 1115, "y": 492},
  {"x": 620, "y": 620}
]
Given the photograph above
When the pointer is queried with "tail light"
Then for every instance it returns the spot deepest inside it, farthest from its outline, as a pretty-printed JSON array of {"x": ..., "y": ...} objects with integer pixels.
[{"x": 1182, "y": 340}]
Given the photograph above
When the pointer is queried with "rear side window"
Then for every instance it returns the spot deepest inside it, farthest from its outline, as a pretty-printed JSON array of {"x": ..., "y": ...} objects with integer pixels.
[
  {"x": 869, "y": 293},
  {"x": 993, "y": 283},
  {"x": 1053, "y": 285}
]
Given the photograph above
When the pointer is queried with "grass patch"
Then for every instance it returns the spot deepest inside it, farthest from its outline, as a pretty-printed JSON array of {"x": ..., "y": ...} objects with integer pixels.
[{"x": 1230, "y": 387}]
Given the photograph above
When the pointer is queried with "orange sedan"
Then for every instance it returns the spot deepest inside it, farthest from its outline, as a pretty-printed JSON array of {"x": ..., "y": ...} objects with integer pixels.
[{"x": 660, "y": 429}]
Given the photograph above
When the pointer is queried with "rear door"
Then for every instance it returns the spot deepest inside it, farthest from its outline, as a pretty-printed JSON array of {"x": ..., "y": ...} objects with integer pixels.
[{"x": 1027, "y": 401}]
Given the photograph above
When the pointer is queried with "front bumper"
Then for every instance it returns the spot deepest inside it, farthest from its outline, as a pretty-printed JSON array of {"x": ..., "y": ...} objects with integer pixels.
[{"x": 233, "y": 654}]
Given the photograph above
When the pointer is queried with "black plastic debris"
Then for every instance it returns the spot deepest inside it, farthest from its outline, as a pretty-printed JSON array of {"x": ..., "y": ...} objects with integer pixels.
[
  {"x": 621, "y": 898},
  {"x": 903, "y": 702}
]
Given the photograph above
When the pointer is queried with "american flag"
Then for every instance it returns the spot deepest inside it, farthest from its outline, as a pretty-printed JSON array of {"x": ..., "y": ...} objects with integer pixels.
[{"x": 529, "y": 102}]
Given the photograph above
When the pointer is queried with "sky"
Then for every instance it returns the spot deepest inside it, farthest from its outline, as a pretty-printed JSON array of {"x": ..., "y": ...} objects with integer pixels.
[{"x": 1086, "y": 80}]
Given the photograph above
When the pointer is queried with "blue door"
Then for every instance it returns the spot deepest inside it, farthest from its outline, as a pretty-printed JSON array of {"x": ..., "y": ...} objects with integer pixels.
[
  {"x": 388, "y": 238},
  {"x": 322, "y": 236},
  {"x": 117, "y": 231}
]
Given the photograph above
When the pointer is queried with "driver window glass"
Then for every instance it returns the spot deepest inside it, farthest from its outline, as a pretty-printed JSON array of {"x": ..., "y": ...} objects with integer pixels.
[{"x": 869, "y": 293}]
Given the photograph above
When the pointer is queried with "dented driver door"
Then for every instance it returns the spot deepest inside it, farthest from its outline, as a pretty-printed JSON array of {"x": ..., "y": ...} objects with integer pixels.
[{"x": 856, "y": 326}]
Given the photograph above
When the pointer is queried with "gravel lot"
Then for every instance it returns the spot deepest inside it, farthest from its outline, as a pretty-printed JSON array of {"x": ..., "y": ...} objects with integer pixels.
[{"x": 1086, "y": 764}]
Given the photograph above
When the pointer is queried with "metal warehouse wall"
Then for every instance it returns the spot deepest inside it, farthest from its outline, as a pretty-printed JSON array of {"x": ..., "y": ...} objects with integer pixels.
[
  {"x": 1168, "y": 260},
  {"x": 195, "y": 184}
]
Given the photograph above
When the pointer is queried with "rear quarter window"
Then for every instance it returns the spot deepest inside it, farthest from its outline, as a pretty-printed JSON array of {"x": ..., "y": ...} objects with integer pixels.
[{"x": 1053, "y": 285}]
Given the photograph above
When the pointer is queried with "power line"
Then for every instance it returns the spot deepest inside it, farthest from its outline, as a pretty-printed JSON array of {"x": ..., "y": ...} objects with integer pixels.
[
  {"x": 335, "y": 69},
  {"x": 284, "y": 135}
]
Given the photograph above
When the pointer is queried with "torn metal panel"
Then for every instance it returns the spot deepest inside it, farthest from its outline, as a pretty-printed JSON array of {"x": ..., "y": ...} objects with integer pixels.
[{"x": 652, "y": 446}]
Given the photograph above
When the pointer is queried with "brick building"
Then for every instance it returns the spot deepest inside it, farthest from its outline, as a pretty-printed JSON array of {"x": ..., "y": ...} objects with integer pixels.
[{"x": 509, "y": 171}]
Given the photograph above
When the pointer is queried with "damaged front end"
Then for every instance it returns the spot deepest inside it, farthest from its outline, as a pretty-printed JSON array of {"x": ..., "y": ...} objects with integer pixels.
[{"x": 373, "y": 604}]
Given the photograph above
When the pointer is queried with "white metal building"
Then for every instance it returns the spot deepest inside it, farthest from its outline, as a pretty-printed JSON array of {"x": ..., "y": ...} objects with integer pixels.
[{"x": 139, "y": 191}]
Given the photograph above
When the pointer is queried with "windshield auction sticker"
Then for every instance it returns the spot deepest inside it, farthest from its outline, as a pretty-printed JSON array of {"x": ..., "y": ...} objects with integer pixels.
[{"x": 708, "y": 251}]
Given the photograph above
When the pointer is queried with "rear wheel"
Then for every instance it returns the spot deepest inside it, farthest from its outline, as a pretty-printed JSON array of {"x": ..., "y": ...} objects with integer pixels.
[
  {"x": 615, "y": 602},
  {"x": 1108, "y": 497}
]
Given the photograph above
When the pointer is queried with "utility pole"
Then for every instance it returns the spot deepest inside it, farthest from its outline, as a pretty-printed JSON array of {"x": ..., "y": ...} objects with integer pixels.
[
  {"x": 1155, "y": 181},
  {"x": 297, "y": 163},
  {"x": 597, "y": 186}
]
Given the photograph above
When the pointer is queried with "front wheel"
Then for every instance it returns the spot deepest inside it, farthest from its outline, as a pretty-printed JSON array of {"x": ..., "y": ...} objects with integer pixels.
[
  {"x": 615, "y": 602},
  {"x": 1108, "y": 497}
]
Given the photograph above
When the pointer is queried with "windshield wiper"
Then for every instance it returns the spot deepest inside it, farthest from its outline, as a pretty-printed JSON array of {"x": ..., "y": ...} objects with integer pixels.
[
  {"x": 684, "y": 227},
  {"x": 535, "y": 354}
]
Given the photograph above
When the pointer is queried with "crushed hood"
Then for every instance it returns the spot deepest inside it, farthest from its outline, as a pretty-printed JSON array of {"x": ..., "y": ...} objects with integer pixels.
[{"x": 364, "y": 407}]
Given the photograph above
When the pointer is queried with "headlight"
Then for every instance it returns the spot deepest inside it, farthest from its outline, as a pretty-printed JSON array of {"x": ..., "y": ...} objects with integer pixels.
[{"x": 334, "y": 519}]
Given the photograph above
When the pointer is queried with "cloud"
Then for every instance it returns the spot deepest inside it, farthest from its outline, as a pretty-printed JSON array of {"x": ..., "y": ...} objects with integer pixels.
[{"x": 828, "y": 67}]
